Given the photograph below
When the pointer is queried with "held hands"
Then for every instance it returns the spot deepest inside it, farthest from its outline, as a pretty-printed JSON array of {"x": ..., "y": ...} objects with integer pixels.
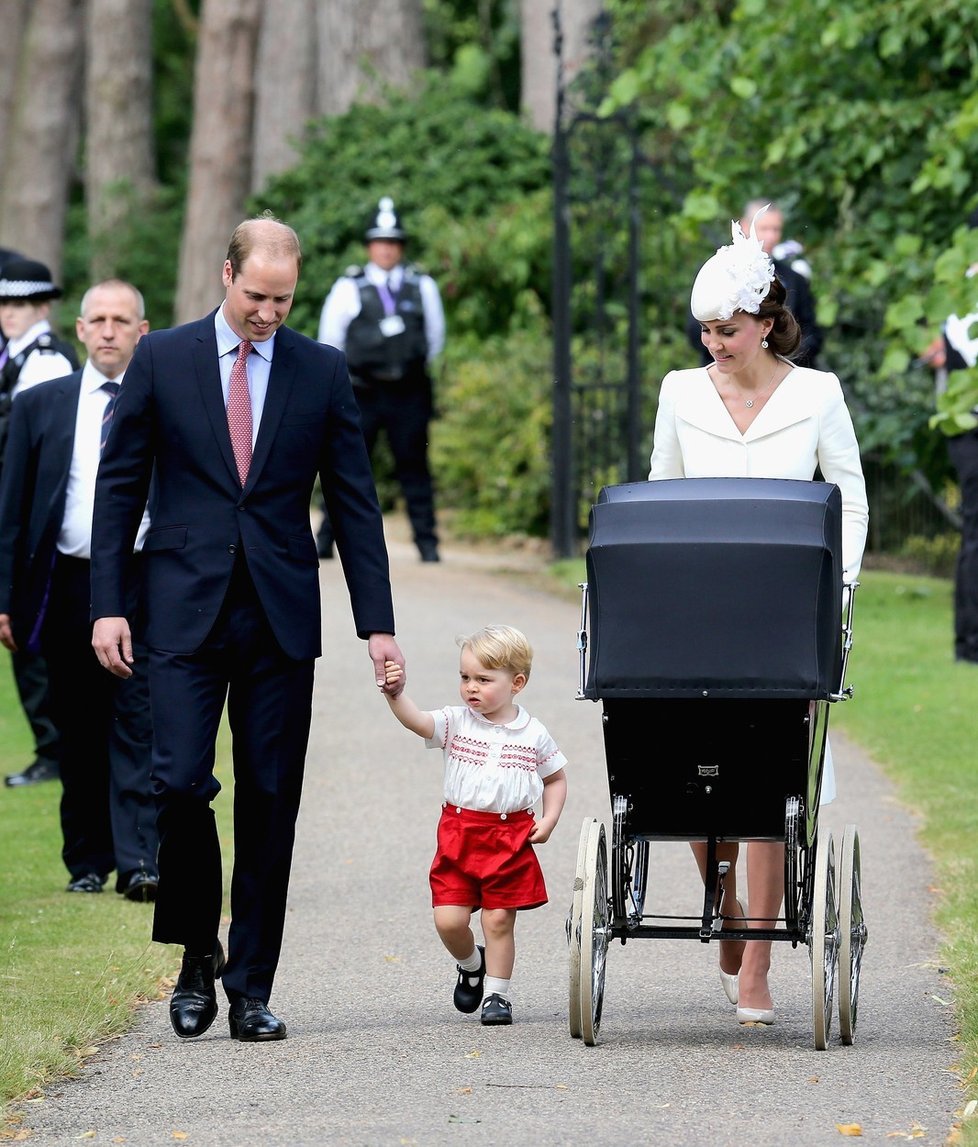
[
  {"x": 383, "y": 651},
  {"x": 393, "y": 674},
  {"x": 112, "y": 643}
]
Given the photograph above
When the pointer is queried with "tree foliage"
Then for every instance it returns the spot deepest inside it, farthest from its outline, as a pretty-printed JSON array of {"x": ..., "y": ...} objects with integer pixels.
[{"x": 861, "y": 120}]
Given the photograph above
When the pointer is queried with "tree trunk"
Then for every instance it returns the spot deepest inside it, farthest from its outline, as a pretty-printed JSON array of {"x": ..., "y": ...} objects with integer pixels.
[
  {"x": 43, "y": 133},
  {"x": 538, "y": 83},
  {"x": 365, "y": 48},
  {"x": 285, "y": 93},
  {"x": 120, "y": 166},
  {"x": 220, "y": 148},
  {"x": 11, "y": 47}
]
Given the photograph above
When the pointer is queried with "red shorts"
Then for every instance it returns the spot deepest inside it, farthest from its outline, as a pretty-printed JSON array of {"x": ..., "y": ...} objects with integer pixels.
[{"x": 485, "y": 860}]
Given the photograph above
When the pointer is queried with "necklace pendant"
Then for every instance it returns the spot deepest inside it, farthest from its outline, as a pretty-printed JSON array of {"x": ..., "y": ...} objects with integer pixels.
[{"x": 749, "y": 403}]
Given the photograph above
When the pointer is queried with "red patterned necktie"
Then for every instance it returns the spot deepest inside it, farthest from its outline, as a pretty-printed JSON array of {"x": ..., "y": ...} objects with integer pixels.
[{"x": 239, "y": 411}]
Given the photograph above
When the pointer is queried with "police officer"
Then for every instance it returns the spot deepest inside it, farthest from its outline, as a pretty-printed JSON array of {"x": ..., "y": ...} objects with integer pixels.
[
  {"x": 388, "y": 319},
  {"x": 33, "y": 353}
]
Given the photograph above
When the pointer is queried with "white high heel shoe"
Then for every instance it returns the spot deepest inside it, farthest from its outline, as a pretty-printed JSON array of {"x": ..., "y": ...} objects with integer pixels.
[
  {"x": 730, "y": 985},
  {"x": 755, "y": 1016}
]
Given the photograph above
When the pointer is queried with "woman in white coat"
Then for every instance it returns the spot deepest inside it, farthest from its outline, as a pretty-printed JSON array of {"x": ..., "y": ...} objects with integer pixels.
[{"x": 753, "y": 413}]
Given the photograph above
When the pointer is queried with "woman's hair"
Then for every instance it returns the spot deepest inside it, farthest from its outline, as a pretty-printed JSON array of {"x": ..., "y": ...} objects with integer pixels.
[
  {"x": 500, "y": 647},
  {"x": 785, "y": 336}
]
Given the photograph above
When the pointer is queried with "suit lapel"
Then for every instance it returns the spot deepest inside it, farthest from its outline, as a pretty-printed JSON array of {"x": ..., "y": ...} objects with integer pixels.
[
  {"x": 209, "y": 380},
  {"x": 280, "y": 380}
]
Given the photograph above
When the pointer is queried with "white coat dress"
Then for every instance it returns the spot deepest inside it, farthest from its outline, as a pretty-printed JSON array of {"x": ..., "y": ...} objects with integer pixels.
[{"x": 804, "y": 426}]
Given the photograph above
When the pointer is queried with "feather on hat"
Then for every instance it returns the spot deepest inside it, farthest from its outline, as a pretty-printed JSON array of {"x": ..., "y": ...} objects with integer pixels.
[{"x": 737, "y": 278}]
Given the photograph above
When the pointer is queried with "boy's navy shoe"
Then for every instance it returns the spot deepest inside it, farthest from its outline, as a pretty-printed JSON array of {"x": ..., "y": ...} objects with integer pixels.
[
  {"x": 468, "y": 990},
  {"x": 496, "y": 1010}
]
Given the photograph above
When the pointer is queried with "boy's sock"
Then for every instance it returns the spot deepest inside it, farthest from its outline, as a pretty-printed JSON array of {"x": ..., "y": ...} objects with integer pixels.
[
  {"x": 495, "y": 985},
  {"x": 473, "y": 963}
]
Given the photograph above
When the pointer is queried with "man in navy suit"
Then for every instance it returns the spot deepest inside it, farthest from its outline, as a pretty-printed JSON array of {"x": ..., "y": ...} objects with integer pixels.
[
  {"x": 232, "y": 591},
  {"x": 108, "y": 814}
]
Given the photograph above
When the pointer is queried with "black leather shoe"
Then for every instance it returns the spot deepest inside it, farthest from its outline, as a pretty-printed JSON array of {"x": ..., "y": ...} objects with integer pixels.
[
  {"x": 89, "y": 882},
  {"x": 252, "y": 1022},
  {"x": 468, "y": 990},
  {"x": 193, "y": 1004},
  {"x": 496, "y": 1011},
  {"x": 141, "y": 886},
  {"x": 34, "y": 774},
  {"x": 428, "y": 551}
]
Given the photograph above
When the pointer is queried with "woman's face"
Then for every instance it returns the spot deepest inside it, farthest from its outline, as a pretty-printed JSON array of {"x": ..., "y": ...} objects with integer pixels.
[{"x": 735, "y": 342}]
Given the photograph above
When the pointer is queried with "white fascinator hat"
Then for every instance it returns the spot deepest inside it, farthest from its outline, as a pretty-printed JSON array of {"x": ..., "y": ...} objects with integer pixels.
[{"x": 736, "y": 278}]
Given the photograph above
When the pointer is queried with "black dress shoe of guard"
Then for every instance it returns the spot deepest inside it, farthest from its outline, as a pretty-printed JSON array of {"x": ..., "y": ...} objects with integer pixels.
[
  {"x": 41, "y": 770},
  {"x": 193, "y": 1004},
  {"x": 141, "y": 886},
  {"x": 428, "y": 551},
  {"x": 252, "y": 1022},
  {"x": 88, "y": 882}
]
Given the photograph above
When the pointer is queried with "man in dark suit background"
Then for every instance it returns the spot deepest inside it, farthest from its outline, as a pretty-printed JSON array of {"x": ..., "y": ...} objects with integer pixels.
[
  {"x": 238, "y": 414},
  {"x": 108, "y": 815}
]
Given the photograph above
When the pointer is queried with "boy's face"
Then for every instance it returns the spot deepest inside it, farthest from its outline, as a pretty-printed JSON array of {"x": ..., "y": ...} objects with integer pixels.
[
  {"x": 487, "y": 691},
  {"x": 17, "y": 317}
]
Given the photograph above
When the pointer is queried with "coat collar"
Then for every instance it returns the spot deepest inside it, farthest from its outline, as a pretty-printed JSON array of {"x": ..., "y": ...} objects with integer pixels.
[{"x": 699, "y": 405}]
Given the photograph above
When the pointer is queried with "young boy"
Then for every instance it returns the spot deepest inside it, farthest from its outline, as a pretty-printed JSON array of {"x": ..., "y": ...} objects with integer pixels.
[{"x": 499, "y": 761}]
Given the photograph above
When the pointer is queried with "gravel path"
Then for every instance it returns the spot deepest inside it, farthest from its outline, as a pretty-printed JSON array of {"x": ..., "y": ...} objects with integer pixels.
[{"x": 376, "y": 1054}]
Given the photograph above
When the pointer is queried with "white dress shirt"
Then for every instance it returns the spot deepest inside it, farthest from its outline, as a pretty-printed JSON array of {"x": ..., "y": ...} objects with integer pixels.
[
  {"x": 259, "y": 364},
  {"x": 343, "y": 305},
  {"x": 75, "y": 536},
  {"x": 37, "y": 367}
]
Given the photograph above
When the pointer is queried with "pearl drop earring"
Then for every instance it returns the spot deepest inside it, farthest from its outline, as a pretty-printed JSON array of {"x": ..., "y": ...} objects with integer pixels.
[{"x": 764, "y": 343}]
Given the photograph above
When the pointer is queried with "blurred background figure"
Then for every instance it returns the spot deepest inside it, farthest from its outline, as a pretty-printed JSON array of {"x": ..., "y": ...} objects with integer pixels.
[
  {"x": 30, "y": 352},
  {"x": 795, "y": 275},
  {"x": 389, "y": 320}
]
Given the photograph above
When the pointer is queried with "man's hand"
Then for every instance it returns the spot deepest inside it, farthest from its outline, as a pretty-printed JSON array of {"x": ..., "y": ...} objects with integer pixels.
[
  {"x": 383, "y": 648},
  {"x": 112, "y": 643},
  {"x": 6, "y": 635}
]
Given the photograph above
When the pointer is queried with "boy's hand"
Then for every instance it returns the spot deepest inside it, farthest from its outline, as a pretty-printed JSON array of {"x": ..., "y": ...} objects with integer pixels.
[
  {"x": 393, "y": 673},
  {"x": 542, "y": 830}
]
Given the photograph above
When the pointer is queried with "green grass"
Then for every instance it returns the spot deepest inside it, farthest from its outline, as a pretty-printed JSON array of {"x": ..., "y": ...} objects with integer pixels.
[{"x": 72, "y": 968}]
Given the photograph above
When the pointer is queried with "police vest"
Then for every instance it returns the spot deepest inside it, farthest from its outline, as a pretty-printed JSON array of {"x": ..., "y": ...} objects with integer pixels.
[
  {"x": 46, "y": 343},
  {"x": 384, "y": 351}
]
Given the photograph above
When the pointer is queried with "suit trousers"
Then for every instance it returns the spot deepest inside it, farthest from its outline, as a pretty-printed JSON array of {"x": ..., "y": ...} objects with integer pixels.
[
  {"x": 269, "y": 706},
  {"x": 108, "y": 814},
  {"x": 963, "y": 451},
  {"x": 31, "y": 676}
]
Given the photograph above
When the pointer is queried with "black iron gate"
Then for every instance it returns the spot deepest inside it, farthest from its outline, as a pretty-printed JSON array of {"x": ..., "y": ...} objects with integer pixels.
[{"x": 598, "y": 174}]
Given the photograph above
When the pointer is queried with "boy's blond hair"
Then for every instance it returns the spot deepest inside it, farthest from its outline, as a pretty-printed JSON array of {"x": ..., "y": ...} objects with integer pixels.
[{"x": 500, "y": 647}]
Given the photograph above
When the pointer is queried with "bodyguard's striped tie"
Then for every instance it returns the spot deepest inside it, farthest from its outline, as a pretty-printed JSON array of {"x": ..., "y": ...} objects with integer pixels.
[{"x": 112, "y": 388}]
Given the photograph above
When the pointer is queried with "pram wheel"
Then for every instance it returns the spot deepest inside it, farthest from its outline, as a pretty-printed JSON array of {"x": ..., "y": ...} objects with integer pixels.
[
  {"x": 574, "y": 932},
  {"x": 823, "y": 940},
  {"x": 852, "y": 933},
  {"x": 594, "y": 932}
]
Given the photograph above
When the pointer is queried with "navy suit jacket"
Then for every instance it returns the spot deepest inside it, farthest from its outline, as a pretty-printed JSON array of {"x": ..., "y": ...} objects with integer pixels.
[
  {"x": 170, "y": 414},
  {"x": 32, "y": 497}
]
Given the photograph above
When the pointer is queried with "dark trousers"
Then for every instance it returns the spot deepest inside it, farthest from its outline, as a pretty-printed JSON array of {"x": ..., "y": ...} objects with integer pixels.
[
  {"x": 963, "y": 450},
  {"x": 402, "y": 410},
  {"x": 108, "y": 814},
  {"x": 269, "y": 704},
  {"x": 31, "y": 676}
]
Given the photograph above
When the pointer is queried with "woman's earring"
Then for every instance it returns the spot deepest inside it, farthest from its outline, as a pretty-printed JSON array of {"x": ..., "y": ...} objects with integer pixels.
[{"x": 764, "y": 343}]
